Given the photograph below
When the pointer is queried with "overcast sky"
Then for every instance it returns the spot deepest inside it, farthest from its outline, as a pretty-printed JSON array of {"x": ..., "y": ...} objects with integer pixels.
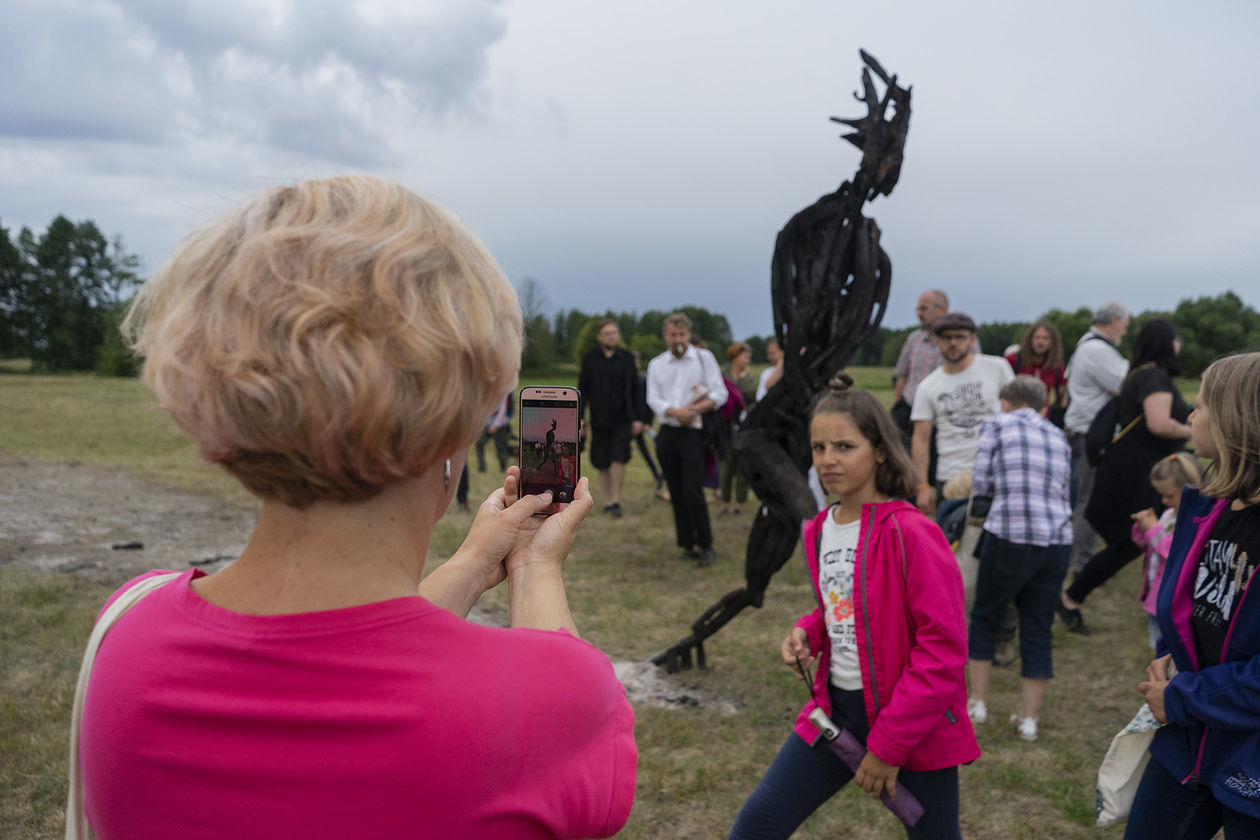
[{"x": 643, "y": 155}]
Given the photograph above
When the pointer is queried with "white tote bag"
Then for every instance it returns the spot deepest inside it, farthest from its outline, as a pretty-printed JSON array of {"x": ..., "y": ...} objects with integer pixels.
[
  {"x": 1122, "y": 767},
  {"x": 76, "y": 818}
]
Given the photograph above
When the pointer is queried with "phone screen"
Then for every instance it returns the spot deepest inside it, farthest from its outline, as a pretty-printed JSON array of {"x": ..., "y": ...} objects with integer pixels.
[{"x": 549, "y": 443}]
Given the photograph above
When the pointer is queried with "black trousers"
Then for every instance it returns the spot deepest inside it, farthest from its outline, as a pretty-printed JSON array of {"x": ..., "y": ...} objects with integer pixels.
[
  {"x": 681, "y": 453},
  {"x": 1102, "y": 567}
]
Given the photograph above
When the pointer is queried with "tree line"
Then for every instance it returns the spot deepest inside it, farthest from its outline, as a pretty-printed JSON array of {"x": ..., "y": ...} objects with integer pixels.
[{"x": 62, "y": 294}]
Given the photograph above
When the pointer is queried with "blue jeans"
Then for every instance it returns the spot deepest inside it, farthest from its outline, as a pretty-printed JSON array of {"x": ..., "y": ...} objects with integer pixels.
[
  {"x": 1168, "y": 810},
  {"x": 801, "y": 778},
  {"x": 1031, "y": 576}
]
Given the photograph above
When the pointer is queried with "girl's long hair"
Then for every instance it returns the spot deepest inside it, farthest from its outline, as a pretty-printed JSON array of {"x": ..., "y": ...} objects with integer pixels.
[
  {"x": 894, "y": 477},
  {"x": 1231, "y": 395}
]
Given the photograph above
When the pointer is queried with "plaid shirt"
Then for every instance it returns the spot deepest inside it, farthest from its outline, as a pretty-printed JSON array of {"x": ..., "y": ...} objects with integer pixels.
[
  {"x": 1023, "y": 462},
  {"x": 920, "y": 356}
]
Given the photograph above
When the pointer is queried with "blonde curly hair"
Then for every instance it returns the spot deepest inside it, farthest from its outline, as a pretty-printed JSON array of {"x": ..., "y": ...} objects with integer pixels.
[{"x": 328, "y": 338}]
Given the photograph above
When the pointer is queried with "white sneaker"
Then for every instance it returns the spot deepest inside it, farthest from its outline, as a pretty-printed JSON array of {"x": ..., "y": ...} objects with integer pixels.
[
  {"x": 1025, "y": 727},
  {"x": 977, "y": 711}
]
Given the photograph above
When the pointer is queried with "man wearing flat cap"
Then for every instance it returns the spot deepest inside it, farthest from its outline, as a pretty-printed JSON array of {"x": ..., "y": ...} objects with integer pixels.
[{"x": 955, "y": 399}]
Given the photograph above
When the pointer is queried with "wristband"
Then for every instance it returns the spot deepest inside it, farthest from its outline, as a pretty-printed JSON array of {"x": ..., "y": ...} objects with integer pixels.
[{"x": 924, "y": 487}]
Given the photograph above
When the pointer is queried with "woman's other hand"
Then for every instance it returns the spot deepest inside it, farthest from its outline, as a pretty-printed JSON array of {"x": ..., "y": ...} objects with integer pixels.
[
  {"x": 1158, "y": 675},
  {"x": 534, "y": 560},
  {"x": 796, "y": 647}
]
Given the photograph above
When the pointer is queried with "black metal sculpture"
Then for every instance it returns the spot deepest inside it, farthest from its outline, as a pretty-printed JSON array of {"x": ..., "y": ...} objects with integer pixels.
[{"x": 829, "y": 283}]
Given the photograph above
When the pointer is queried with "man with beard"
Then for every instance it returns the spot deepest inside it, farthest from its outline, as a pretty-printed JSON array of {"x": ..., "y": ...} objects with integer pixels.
[
  {"x": 919, "y": 356},
  {"x": 955, "y": 399},
  {"x": 607, "y": 382},
  {"x": 683, "y": 383}
]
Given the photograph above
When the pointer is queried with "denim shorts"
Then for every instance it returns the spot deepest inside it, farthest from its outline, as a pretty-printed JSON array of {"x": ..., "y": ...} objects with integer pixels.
[{"x": 1029, "y": 575}]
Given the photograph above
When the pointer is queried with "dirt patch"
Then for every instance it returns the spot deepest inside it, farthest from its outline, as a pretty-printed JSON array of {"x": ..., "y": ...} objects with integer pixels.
[
  {"x": 108, "y": 526},
  {"x": 73, "y": 518}
]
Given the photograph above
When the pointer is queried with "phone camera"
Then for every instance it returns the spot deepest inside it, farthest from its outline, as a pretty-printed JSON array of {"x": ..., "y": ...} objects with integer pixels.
[{"x": 564, "y": 495}]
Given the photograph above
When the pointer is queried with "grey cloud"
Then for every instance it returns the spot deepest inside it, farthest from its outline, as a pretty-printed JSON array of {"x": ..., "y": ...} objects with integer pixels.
[{"x": 330, "y": 80}]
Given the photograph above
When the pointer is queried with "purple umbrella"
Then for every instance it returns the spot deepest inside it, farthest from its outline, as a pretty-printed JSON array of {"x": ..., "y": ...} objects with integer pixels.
[{"x": 851, "y": 751}]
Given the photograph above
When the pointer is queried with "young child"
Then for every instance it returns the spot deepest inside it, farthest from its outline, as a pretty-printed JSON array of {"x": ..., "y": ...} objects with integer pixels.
[
  {"x": 1204, "y": 771},
  {"x": 1169, "y": 477},
  {"x": 888, "y": 635}
]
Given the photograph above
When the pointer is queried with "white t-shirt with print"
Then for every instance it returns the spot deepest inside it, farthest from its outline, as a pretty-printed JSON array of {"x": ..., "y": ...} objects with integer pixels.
[
  {"x": 836, "y": 561},
  {"x": 958, "y": 404}
]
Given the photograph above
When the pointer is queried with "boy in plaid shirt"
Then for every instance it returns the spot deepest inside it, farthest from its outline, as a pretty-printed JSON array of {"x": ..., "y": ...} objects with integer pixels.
[{"x": 1020, "y": 492}]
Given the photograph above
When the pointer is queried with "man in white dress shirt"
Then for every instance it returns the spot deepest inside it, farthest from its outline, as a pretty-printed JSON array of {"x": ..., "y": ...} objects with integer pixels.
[{"x": 683, "y": 383}]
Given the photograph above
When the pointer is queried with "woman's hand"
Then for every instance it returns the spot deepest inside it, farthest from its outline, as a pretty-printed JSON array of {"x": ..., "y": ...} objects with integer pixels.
[
  {"x": 534, "y": 561},
  {"x": 541, "y": 540},
  {"x": 499, "y": 527},
  {"x": 477, "y": 566},
  {"x": 796, "y": 646},
  {"x": 1146, "y": 519},
  {"x": 1158, "y": 674},
  {"x": 875, "y": 777}
]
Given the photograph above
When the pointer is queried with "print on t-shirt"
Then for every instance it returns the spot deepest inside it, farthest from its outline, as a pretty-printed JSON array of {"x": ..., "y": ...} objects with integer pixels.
[
  {"x": 836, "y": 569},
  {"x": 1224, "y": 574},
  {"x": 965, "y": 406},
  {"x": 1226, "y": 568},
  {"x": 836, "y": 580}
]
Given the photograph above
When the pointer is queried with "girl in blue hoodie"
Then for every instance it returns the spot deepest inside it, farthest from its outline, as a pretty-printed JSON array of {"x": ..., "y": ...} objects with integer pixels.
[{"x": 1205, "y": 768}]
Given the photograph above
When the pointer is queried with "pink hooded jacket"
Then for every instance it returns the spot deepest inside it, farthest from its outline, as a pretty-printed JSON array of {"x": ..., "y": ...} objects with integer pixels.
[
  {"x": 1156, "y": 543},
  {"x": 911, "y": 636}
]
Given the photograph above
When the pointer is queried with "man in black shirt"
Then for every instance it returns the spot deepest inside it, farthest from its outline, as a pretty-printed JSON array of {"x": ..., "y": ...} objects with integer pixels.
[{"x": 607, "y": 382}]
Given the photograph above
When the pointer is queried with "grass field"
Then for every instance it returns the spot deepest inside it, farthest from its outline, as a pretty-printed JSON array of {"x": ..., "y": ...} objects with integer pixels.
[{"x": 631, "y": 597}]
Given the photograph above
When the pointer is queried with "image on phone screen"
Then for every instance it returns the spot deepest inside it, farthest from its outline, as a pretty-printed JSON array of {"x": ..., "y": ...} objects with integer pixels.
[{"x": 549, "y": 444}]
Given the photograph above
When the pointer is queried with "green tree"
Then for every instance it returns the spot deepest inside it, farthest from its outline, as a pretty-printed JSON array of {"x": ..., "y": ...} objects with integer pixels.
[
  {"x": 584, "y": 342},
  {"x": 648, "y": 346},
  {"x": 1072, "y": 325},
  {"x": 995, "y": 337},
  {"x": 58, "y": 290},
  {"x": 538, "y": 351},
  {"x": 891, "y": 348},
  {"x": 1211, "y": 327},
  {"x": 13, "y": 272},
  {"x": 758, "y": 345}
]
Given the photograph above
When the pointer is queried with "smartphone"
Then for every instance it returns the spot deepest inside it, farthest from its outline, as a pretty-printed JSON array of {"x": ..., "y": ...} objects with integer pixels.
[{"x": 549, "y": 443}]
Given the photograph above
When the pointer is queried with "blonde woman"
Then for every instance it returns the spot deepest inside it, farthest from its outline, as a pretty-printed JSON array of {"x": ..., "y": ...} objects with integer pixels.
[
  {"x": 1204, "y": 772},
  {"x": 336, "y": 346}
]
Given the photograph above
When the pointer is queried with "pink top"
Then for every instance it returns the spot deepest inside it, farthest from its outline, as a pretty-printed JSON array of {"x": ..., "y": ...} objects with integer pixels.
[
  {"x": 387, "y": 720},
  {"x": 1156, "y": 542}
]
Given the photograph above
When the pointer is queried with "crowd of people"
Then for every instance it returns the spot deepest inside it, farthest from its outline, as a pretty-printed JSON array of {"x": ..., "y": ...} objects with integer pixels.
[{"x": 338, "y": 346}]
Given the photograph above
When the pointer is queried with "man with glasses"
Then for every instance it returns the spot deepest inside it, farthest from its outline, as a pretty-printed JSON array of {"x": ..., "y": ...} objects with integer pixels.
[
  {"x": 919, "y": 356},
  {"x": 955, "y": 399}
]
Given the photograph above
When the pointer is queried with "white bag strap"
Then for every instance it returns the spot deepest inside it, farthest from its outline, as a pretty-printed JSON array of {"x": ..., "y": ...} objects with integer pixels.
[{"x": 76, "y": 818}]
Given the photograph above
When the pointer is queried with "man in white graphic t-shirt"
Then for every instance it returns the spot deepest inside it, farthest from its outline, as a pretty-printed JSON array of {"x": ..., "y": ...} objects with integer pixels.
[{"x": 956, "y": 399}]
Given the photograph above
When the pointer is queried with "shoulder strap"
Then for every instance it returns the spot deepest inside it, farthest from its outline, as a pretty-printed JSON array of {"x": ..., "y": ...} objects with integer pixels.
[
  {"x": 76, "y": 818},
  {"x": 1140, "y": 414}
]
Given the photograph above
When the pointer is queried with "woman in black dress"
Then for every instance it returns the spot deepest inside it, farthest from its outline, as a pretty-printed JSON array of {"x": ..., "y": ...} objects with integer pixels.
[{"x": 1121, "y": 488}]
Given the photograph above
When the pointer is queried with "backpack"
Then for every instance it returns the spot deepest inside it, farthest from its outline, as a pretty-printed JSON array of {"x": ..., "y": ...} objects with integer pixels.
[{"x": 1102, "y": 432}]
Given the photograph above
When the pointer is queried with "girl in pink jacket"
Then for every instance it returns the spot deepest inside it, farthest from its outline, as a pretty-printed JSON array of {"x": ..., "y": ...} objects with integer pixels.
[
  {"x": 1153, "y": 534},
  {"x": 888, "y": 636}
]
